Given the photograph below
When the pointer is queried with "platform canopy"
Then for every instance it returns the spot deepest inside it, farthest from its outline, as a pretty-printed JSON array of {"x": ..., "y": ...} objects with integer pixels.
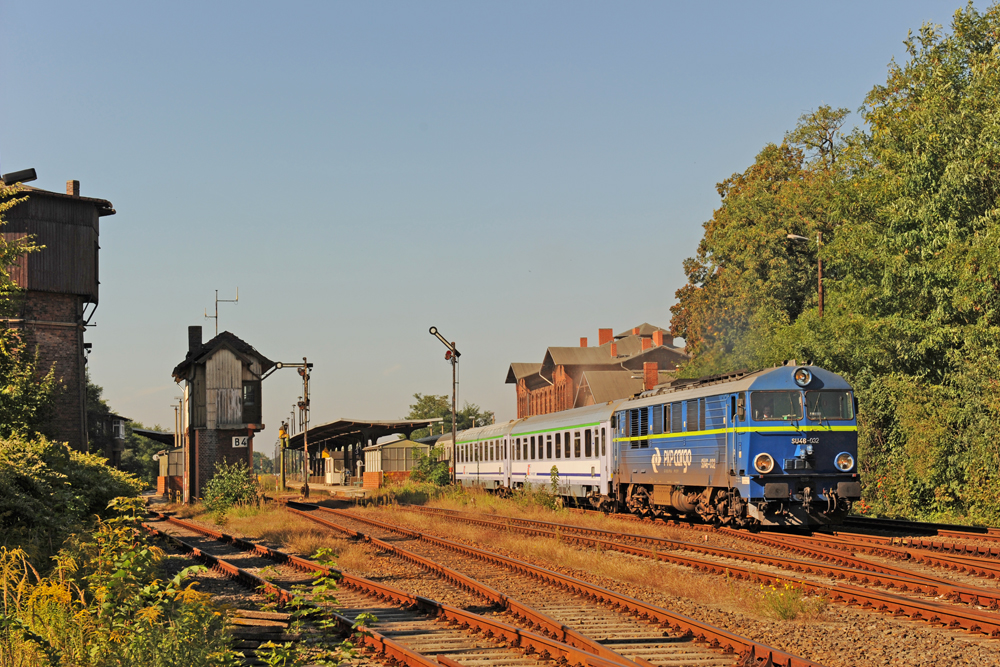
[{"x": 349, "y": 432}]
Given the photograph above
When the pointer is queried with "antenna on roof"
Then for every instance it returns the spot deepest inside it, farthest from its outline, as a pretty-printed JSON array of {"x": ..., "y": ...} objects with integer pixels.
[{"x": 217, "y": 301}]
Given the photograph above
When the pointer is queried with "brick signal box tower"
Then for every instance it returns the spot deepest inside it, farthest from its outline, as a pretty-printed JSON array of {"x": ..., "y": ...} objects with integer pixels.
[
  {"x": 60, "y": 293},
  {"x": 222, "y": 405}
]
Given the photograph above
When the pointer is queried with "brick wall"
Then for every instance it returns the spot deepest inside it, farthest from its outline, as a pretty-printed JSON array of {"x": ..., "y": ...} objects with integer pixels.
[
  {"x": 213, "y": 446},
  {"x": 372, "y": 480},
  {"x": 50, "y": 323}
]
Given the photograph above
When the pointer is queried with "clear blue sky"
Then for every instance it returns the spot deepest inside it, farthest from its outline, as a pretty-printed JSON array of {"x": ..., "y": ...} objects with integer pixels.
[{"x": 518, "y": 174}]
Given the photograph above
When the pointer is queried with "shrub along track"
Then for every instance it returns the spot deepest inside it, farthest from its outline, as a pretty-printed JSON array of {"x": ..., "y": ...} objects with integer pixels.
[
  {"x": 979, "y": 622},
  {"x": 410, "y": 630},
  {"x": 591, "y": 610}
]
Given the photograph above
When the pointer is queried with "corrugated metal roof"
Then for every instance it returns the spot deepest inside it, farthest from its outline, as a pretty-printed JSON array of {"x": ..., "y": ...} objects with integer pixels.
[
  {"x": 351, "y": 431},
  {"x": 519, "y": 370}
]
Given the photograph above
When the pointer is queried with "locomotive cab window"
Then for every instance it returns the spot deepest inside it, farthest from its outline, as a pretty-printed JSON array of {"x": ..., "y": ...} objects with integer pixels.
[
  {"x": 829, "y": 405},
  {"x": 776, "y": 405}
]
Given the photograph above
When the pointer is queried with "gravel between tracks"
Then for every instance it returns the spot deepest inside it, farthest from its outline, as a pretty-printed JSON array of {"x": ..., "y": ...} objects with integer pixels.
[{"x": 842, "y": 636}]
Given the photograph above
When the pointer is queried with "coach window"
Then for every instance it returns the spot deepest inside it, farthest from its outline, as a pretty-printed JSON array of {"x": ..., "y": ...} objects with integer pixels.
[
  {"x": 576, "y": 445},
  {"x": 493, "y": 452},
  {"x": 588, "y": 448},
  {"x": 548, "y": 446},
  {"x": 524, "y": 449},
  {"x": 558, "y": 446},
  {"x": 604, "y": 451},
  {"x": 566, "y": 449},
  {"x": 532, "y": 457},
  {"x": 517, "y": 449}
]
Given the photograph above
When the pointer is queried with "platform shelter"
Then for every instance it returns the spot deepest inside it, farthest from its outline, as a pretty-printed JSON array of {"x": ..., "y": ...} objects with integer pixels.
[{"x": 348, "y": 438}]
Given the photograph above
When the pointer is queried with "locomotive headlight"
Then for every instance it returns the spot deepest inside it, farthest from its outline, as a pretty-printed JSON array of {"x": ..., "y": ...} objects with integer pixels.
[
  {"x": 844, "y": 462},
  {"x": 802, "y": 376},
  {"x": 764, "y": 463}
]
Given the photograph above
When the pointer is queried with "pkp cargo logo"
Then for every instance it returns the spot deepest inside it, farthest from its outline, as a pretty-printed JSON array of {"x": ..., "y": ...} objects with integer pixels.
[{"x": 671, "y": 458}]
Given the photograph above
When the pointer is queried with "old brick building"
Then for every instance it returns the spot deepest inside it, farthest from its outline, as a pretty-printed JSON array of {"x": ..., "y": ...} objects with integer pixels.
[
  {"x": 620, "y": 366},
  {"x": 222, "y": 399},
  {"x": 60, "y": 285}
]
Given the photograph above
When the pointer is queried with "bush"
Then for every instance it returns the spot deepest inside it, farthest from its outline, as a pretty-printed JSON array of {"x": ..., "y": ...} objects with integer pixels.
[
  {"x": 48, "y": 491},
  {"x": 103, "y": 605},
  {"x": 231, "y": 485},
  {"x": 427, "y": 468}
]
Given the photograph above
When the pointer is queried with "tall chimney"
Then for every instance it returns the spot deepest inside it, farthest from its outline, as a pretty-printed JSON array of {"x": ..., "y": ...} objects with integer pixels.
[
  {"x": 614, "y": 350},
  {"x": 194, "y": 338},
  {"x": 604, "y": 336},
  {"x": 73, "y": 188},
  {"x": 657, "y": 338},
  {"x": 650, "y": 375},
  {"x": 583, "y": 342},
  {"x": 646, "y": 343},
  {"x": 635, "y": 331}
]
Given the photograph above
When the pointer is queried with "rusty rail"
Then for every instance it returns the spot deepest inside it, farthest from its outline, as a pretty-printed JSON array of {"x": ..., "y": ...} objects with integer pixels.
[
  {"x": 713, "y": 637},
  {"x": 530, "y": 642},
  {"x": 935, "y": 613},
  {"x": 846, "y": 567},
  {"x": 382, "y": 645},
  {"x": 532, "y": 617}
]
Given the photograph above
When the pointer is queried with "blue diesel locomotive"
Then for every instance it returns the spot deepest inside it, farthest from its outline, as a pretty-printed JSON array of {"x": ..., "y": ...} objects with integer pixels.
[{"x": 773, "y": 447}]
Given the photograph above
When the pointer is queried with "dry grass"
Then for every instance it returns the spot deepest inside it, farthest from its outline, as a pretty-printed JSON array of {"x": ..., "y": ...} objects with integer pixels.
[
  {"x": 664, "y": 578},
  {"x": 288, "y": 532}
]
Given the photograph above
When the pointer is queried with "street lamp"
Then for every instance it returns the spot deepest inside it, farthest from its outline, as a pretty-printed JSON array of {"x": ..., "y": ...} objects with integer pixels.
[
  {"x": 451, "y": 355},
  {"x": 303, "y": 406},
  {"x": 819, "y": 262}
]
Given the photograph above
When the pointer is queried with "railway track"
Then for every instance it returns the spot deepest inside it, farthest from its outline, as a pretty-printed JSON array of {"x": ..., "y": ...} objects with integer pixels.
[
  {"x": 845, "y": 567},
  {"x": 932, "y": 612},
  {"x": 410, "y": 630},
  {"x": 645, "y": 632},
  {"x": 920, "y": 528}
]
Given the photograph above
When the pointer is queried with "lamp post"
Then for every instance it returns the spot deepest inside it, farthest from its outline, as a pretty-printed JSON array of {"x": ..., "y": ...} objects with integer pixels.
[
  {"x": 451, "y": 355},
  {"x": 303, "y": 406},
  {"x": 819, "y": 263}
]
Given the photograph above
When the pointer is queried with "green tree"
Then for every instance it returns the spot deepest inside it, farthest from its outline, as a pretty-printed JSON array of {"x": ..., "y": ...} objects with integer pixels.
[
  {"x": 908, "y": 207},
  {"x": 748, "y": 279},
  {"x": 262, "y": 464},
  {"x": 430, "y": 406}
]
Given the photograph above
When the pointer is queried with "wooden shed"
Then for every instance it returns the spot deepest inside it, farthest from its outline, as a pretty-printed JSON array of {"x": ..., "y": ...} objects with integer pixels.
[{"x": 391, "y": 461}]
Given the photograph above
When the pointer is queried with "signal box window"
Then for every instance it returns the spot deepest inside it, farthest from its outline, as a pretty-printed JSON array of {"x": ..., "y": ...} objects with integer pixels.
[{"x": 251, "y": 402}]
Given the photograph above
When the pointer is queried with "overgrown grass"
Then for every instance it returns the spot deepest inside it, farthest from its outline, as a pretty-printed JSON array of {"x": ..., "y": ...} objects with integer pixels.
[
  {"x": 782, "y": 601},
  {"x": 103, "y": 606}
]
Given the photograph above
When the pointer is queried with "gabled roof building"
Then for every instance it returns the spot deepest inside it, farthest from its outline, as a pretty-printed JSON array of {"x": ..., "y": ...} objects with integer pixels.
[{"x": 621, "y": 366}]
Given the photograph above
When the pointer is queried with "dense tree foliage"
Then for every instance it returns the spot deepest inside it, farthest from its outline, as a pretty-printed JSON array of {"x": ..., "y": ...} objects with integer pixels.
[
  {"x": 908, "y": 210},
  {"x": 429, "y": 406}
]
